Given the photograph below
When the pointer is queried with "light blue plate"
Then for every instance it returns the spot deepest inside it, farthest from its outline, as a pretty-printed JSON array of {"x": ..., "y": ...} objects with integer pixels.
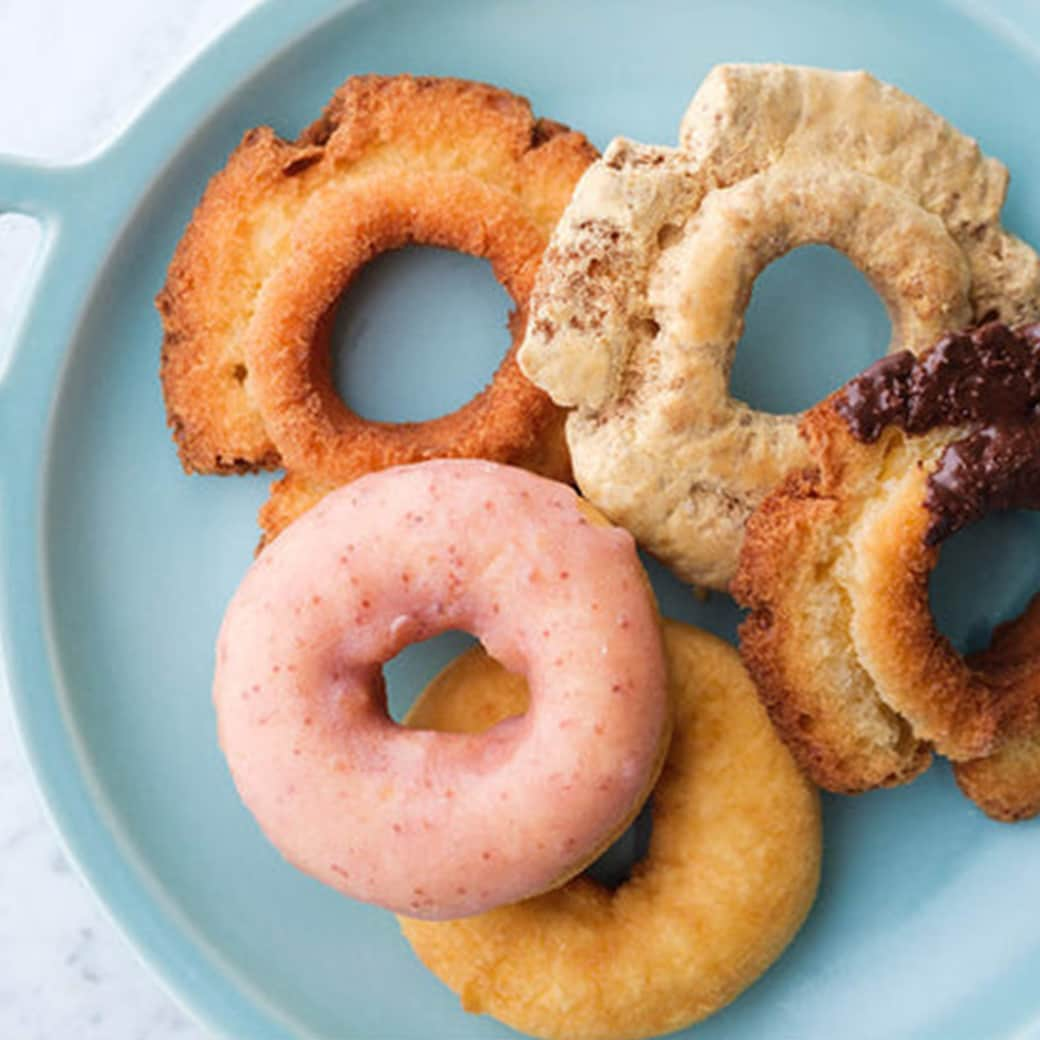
[{"x": 116, "y": 567}]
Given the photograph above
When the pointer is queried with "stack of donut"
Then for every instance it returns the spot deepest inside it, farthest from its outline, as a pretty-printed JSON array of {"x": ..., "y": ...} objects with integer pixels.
[
  {"x": 475, "y": 819},
  {"x": 822, "y": 523},
  {"x": 521, "y": 765},
  {"x": 640, "y": 302}
]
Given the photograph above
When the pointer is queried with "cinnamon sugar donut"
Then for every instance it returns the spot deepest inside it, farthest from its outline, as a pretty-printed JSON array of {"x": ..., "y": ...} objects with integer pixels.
[
  {"x": 731, "y": 872},
  {"x": 835, "y": 569},
  {"x": 639, "y": 304}
]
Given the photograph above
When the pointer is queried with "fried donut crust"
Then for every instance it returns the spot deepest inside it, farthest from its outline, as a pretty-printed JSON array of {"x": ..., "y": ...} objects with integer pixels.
[
  {"x": 1006, "y": 784},
  {"x": 731, "y": 872},
  {"x": 639, "y": 304},
  {"x": 375, "y": 131},
  {"x": 796, "y": 642},
  {"x": 841, "y": 640},
  {"x": 295, "y": 493}
]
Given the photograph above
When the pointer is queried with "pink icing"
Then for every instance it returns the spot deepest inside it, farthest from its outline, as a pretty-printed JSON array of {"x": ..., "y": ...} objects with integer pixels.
[{"x": 440, "y": 825}]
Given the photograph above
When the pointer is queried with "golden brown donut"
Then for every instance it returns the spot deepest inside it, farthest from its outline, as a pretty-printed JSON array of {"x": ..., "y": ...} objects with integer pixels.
[
  {"x": 295, "y": 493},
  {"x": 836, "y": 563},
  {"x": 392, "y": 160},
  {"x": 639, "y": 304},
  {"x": 731, "y": 871},
  {"x": 318, "y": 436},
  {"x": 1006, "y": 784}
]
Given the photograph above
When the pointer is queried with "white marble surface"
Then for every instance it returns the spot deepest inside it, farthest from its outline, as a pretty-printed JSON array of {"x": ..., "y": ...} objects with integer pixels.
[{"x": 73, "y": 74}]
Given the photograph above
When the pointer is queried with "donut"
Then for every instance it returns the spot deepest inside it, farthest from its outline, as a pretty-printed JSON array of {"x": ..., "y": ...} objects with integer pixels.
[
  {"x": 443, "y": 825},
  {"x": 290, "y": 497},
  {"x": 639, "y": 304},
  {"x": 295, "y": 493},
  {"x": 836, "y": 562},
  {"x": 1006, "y": 784},
  {"x": 731, "y": 871},
  {"x": 283, "y": 228}
]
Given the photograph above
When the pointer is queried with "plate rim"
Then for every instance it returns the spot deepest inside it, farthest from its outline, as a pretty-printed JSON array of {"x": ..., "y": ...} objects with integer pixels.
[{"x": 81, "y": 221}]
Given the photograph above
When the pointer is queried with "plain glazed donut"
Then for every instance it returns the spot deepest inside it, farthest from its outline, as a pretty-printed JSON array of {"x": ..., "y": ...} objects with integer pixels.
[
  {"x": 835, "y": 569},
  {"x": 443, "y": 825},
  {"x": 731, "y": 871},
  {"x": 639, "y": 304},
  {"x": 279, "y": 235}
]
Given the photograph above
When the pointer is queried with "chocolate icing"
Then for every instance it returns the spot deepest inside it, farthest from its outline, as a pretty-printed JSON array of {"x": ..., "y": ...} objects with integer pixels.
[{"x": 986, "y": 378}]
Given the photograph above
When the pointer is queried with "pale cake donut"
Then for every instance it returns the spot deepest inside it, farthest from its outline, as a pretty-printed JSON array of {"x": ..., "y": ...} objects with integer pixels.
[
  {"x": 836, "y": 565},
  {"x": 442, "y": 825},
  {"x": 731, "y": 872},
  {"x": 639, "y": 303}
]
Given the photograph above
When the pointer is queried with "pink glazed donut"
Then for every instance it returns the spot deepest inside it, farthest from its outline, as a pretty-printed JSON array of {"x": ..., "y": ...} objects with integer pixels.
[{"x": 442, "y": 825}]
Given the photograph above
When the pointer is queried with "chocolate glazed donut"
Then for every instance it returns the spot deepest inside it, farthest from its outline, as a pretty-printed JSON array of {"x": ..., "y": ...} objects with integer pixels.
[{"x": 840, "y": 557}]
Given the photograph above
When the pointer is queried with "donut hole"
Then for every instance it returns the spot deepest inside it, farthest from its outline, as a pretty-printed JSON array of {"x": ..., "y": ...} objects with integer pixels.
[
  {"x": 813, "y": 322},
  {"x": 411, "y": 671},
  {"x": 417, "y": 334},
  {"x": 986, "y": 575},
  {"x": 615, "y": 866}
]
